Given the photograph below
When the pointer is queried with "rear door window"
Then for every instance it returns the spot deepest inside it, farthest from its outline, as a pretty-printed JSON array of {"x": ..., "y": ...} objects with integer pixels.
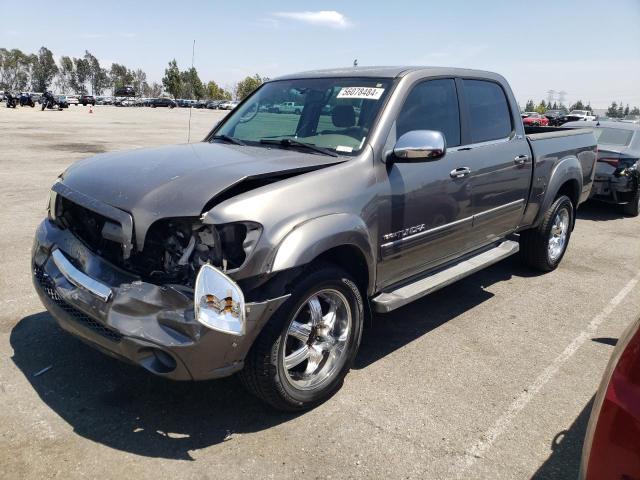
[{"x": 489, "y": 115}]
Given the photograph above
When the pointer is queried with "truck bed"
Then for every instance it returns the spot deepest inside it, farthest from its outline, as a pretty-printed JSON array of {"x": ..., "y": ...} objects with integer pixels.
[
  {"x": 545, "y": 132},
  {"x": 558, "y": 147}
]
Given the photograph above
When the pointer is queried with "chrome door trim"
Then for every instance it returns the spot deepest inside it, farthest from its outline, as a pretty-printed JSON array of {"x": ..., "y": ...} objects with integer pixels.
[
  {"x": 488, "y": 143},
  {"x": 78, "y": 278},
  {"x": 492, "y": 212},
  {"x": 397, "y": 246}
]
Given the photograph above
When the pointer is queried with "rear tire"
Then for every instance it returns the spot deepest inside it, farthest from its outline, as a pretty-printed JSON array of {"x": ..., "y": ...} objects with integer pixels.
[
  {"x": 272, "y": 372},
  {"x": 632, "y": 208},
  {"x": 543, "y": 247}
]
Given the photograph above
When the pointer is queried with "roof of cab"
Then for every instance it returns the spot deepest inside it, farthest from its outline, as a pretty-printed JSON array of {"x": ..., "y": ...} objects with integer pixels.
[{"x": 389, "y": 72}]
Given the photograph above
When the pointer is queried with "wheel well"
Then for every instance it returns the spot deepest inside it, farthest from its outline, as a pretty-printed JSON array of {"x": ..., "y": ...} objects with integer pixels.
[
  {"x": 570, "y": 188},
  {"x": 351, "y": 259}
]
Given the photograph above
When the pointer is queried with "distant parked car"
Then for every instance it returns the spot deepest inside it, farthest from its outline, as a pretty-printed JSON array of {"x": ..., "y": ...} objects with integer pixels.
[
  {"x": 214, "y": 104},
  {"x": 576, "y": 116},
  {"x": 229, "y": 105},
  {"x": 535, "y": 120},
  {"x": 631, "y": 119},
  {"x": 617, "y": 178},
  {"x": 553, "y": 115},
  {"x": 200, "y": 104},
  {"x": 186, "y": 103},
  {"x": 63, "y": 101},
  {"x": 72, "y": 100},
  {"x": 103, "y": 100},
  {"x": 87, "y": 100},
  {"x": 162, "y": 102},
  {"x": 526, "y": 114},
  {"x": 125, "y": 92},
  {"x": 287, "y": 107},
  {"x": 611, "y": 448}
]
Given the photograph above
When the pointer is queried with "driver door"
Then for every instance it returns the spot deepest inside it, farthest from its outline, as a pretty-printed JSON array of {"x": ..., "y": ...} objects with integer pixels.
[{"x": 426, "y": 217}]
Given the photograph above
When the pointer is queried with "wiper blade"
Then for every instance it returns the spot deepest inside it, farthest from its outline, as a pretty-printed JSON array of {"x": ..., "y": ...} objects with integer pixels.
[
  {"x": 288, "y": 142},
  {"x": 230, "y": 139}
]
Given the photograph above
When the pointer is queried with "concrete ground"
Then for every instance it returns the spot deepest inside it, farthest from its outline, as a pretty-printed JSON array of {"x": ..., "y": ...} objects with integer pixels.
[{"x": 492, "y": 377}]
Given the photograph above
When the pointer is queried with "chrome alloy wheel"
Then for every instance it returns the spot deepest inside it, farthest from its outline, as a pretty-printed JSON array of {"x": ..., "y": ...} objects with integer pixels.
[
  {"x": 558, "y": 235},
  {"x": 315, "y": 345}
]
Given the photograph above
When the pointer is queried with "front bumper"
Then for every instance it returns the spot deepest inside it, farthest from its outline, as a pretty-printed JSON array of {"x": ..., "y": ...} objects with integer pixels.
[{"x": 150, "y": 325}]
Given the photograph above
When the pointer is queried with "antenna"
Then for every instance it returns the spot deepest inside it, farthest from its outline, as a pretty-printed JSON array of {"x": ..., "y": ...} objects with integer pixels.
[{"x": 193, "y": 55}]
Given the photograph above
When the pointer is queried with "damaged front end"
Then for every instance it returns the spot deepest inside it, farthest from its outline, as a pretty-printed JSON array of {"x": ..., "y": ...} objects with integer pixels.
[
  {"x": 174, "y": 249},
  {"x": 170, "y": 308}
]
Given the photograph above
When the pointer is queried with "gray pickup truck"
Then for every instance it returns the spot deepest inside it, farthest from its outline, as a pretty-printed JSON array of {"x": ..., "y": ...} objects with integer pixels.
[{"x": 261, "y": 249}]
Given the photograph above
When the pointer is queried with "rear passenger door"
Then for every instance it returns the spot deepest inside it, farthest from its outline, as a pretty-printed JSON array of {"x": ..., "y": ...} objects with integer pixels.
[{"x": 498, "y": 156}]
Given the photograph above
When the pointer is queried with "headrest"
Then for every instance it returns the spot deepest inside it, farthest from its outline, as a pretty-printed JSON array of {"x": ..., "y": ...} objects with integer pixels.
[{"x": 343, "y": 116}]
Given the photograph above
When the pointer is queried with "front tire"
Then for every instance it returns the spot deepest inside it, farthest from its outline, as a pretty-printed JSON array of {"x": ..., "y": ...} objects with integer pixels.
[
  {"x": 306, "y": 349},
  {"x": 543, "y": 247}
]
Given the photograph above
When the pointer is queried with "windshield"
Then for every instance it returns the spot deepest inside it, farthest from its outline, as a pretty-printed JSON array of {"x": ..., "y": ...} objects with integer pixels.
[
  {"x": 579, "y": 112},
  {"x": 613, "y": 136},
  {"x": 332, "y": 113}
]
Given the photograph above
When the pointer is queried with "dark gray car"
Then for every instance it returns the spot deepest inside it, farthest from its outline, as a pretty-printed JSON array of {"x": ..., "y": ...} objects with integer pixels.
[
  {"x": 617, "y": 177},
  {"x": 261, "y": 249}
]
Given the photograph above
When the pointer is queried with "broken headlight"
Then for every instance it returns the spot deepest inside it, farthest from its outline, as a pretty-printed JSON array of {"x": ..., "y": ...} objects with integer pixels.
[
  {"x": 219, "y": 302},
  {"x": 176, "y": 249}
]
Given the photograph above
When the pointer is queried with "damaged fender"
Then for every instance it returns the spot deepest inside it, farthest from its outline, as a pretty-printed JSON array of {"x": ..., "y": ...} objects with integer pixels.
[{"x": 314, "y": 237}]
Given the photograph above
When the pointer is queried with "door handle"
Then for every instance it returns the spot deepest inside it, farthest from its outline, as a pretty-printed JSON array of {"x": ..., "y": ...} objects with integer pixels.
[
  {"x": 521, "y": 159},
  {"x": 460, "y": 172}
]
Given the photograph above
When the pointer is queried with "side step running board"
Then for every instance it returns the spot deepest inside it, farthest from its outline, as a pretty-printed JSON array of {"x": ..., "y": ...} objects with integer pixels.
[{"x": 385, "y": 302}]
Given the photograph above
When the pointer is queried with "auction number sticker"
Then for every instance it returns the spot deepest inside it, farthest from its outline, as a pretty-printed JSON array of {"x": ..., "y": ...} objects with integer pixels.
[{"x": 361, "y": 92}]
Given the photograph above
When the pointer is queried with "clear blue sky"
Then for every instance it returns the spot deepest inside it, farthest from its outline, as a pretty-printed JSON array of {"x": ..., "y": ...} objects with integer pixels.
[{"x": 588, "y": 48}]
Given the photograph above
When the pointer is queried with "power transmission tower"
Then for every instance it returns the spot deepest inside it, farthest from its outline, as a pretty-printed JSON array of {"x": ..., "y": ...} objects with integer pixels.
[
  {"x": 561, "y": 96},
  {"x": 550, "y": 96}
]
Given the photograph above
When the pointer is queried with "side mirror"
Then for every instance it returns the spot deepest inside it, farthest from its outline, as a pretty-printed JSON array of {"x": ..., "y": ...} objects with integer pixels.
[{"x": 420, "y": 146}]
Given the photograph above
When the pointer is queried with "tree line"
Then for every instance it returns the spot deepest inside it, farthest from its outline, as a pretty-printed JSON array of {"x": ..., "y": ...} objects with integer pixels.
[
  {"x": 187, "y": 84},
  {"x": 39, "y": 72},
  {"x": 20, "y": 71},
  {"x": 615, "y": 110}
]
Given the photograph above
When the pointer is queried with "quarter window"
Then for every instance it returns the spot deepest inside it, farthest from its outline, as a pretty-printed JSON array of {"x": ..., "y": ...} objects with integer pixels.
[
  {"x": 489, "y": 116},
  {"x": 432, "y": 105}
]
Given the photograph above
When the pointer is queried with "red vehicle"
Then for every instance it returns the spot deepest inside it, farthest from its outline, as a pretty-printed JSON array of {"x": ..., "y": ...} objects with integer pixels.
[
  {"x": 612, "y": 446},
  {"x": 535, "y": 120}
]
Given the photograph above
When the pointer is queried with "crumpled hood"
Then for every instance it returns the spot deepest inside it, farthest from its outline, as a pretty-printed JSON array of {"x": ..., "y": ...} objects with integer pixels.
[{"x": 179, "y": 180}]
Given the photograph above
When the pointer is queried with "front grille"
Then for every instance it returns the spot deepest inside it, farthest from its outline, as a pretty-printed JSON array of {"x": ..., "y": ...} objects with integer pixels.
[
  {"x": 87, "y": 225},
  {"x": 47, "y": 285}
]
